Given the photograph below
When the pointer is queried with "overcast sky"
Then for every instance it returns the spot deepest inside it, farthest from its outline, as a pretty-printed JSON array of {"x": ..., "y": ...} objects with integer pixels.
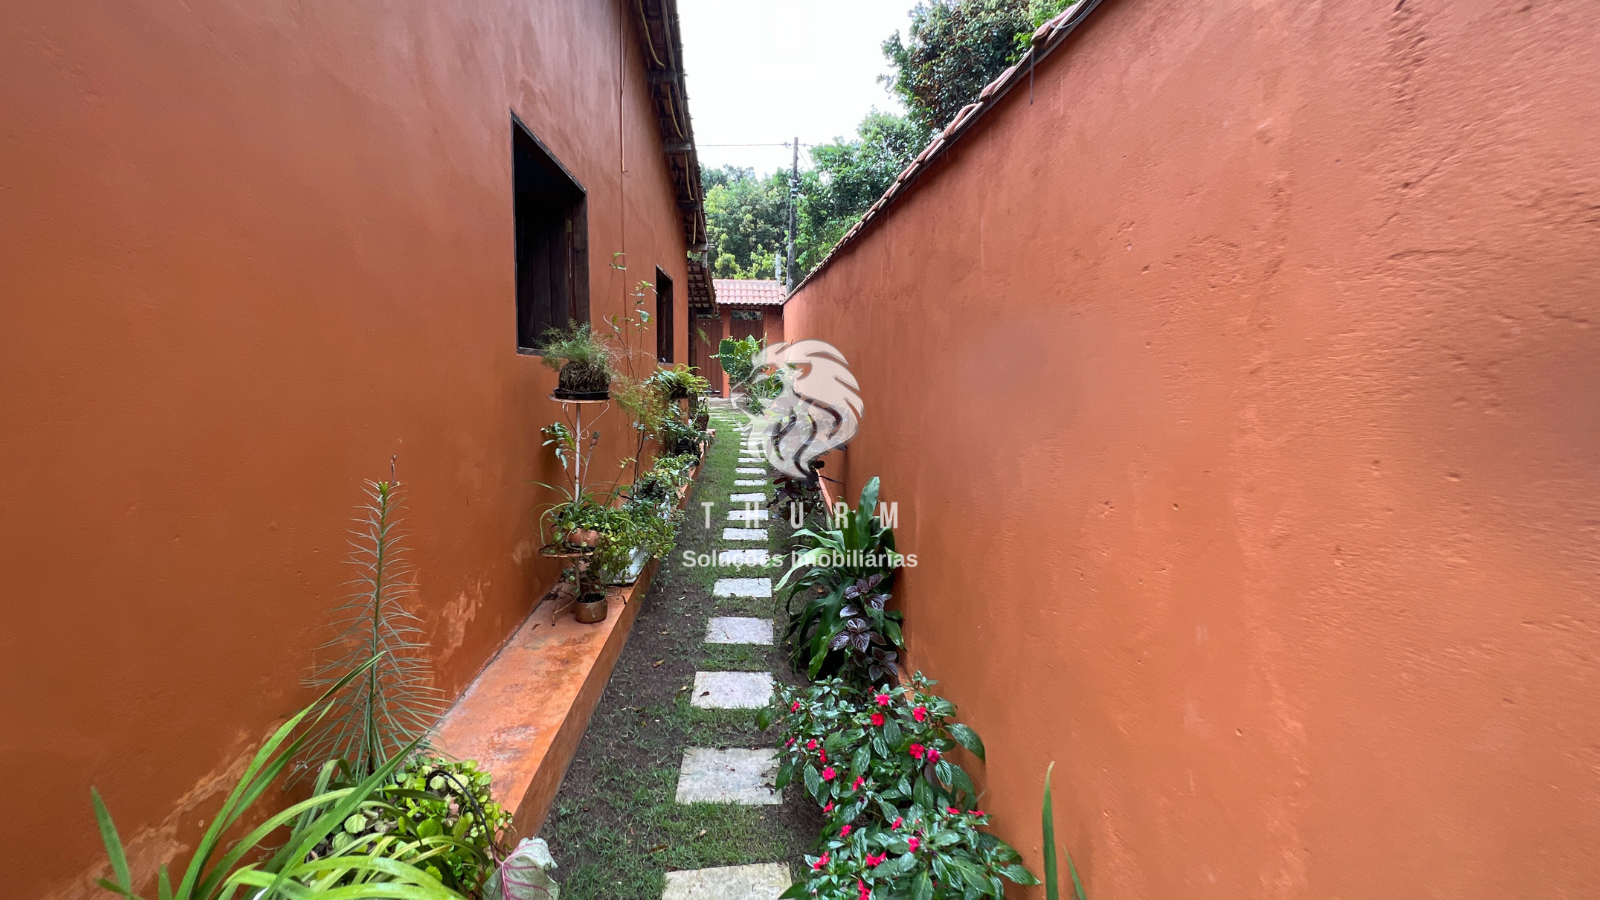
[{"x": 763, "y": 71}]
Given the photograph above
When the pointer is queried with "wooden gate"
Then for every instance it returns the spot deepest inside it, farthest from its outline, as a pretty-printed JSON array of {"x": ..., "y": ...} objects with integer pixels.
[{"x": 705, "y": 334}]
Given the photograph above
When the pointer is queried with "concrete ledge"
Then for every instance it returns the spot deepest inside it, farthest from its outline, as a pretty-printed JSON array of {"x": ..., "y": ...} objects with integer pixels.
[{"x": 524, "y": 715}]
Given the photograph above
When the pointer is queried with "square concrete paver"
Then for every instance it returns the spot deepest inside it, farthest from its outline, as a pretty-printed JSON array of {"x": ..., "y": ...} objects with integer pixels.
[
  {"x": 732, "y": 690},
  {"x": 744, "y": 534},
  {"x": 748, "y": 482},
  {"x": 749, "y": 471},
  {"x": 742, "y": 587},
  {"x": 751, "y": 557},
  {"x": 738, "y": 630},
  {"x": 766, "y": 881},
  {"x": 747, "y": 498},
  {"x": 728, "y": 776},
  {"x": 747, "y": 515}
]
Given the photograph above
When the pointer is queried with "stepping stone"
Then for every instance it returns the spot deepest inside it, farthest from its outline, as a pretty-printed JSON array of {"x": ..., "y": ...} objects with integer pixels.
[
  {"x": 766, "y": 881},
  {"x": 744, "y": 471},
  {"x": 748, "y": 482},
  {"x": 747, "y": 515},
  {"x": 732, "y": 690},
  {"x": 751, "y": 557},
  {"x": 744, "y": 534},
  {"x": 747, "y": 498},
  {"x": 738, "y": 630},
  {"x": 742, "y": 587},
  {"x": 728, "y": 776}
]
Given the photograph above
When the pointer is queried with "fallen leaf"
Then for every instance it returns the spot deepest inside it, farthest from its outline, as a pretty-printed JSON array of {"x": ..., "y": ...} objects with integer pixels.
[{"x": 658, "y": 662}]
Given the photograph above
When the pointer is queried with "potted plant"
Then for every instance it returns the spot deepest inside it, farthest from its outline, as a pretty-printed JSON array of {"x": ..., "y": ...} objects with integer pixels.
[
  {"x": 583, "y": 362},
  {"x": 678, "y": 382}
]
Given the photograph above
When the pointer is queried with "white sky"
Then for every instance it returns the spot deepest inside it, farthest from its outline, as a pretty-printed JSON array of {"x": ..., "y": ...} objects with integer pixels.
[{"x": 763, "y": 71}]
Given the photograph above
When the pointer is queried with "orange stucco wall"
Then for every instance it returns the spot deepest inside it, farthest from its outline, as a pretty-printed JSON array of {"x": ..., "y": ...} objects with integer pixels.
[
  {"x": 249, "y": 252},
  {"x": 1241, "y": 396}
]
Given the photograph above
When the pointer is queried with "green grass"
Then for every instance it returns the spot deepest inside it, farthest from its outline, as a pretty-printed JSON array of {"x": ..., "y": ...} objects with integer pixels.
[{"x": 615, "y": 827}]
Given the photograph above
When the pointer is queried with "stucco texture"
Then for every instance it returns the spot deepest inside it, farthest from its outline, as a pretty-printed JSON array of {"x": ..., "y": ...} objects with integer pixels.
[
  {"x": 1239, "y": 394},
  {"x": 250, "y": 252}
]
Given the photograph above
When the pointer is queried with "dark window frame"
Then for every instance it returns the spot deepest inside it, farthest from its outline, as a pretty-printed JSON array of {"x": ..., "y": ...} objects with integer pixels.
[
  {"x": 665, "y": 317},
  {"x": 551, "y": 227}
]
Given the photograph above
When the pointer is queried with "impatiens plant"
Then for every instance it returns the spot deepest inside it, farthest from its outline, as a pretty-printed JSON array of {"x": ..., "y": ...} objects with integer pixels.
[{"x": 901, "y": 818}]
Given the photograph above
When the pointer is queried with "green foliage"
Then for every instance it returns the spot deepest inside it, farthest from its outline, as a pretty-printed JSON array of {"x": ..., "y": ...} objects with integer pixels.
[
  {"x": 394, "y": 703},
  {"x": 746, "y": 220},
  {"x": 848, "y": 562},
  {"x": 737, "y": 356},
  {"x": 586, "y": 362},
  {"x": 901, "y": 821},
  {"x": 1051, "y": 888},
  {"x": 678, "y": 381},
  {"x": 953, "y": 49},
  {"x": 288, "y": 871},
  {"x": 848, "y": 176},
  {"x": 435, "y": 814}
]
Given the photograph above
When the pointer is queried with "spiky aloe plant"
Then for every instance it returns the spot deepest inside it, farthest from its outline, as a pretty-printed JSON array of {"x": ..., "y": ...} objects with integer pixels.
[
  {"x": 394, "y": 703},
  {"x": 1050, "y": 870}
]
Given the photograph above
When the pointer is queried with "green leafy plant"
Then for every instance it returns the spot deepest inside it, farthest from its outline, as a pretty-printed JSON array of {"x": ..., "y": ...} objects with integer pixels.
[
  {"x": 901, "y": 820},
  {"x": 583, "y": 360},
  {"x": 394, "y": 703},
  {"x": 1051, "y": 871},
  {"x": 677, "y": 382},
  {"x": 435, "y": 814},
  {"x": 855, "y": 546},
  {"x": 216, "y": 871}
]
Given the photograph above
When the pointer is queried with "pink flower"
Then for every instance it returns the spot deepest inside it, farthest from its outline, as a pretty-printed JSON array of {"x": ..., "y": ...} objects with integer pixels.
[
  {"x": 933, "y": 755},
  {"x": 979, "y": 812},
  {"x": 790, "y": 743},
  {"x": 920, "y": 713},
  {"x": 829, "y": 807},
  {"x": 916, "y": 751},
  {"x": 897, "y": 821},
  {"x": 913, "y": 843},
  {"x": 845, "y": 831},
  {"x": 877, "y": 718},
  {"x": 874, "y": 860},
  {"x": 794, "y": 707},
  {"x": 883, "y": 699},
  {"x": 866, "y": 894},
  {"x": 821, "y": 861},
  {"x": 824, "y": 754},
  {"x": 952, "y": 810},
  {"x": 859, "y": 781},
  {"x": 828, "y": 773},
  {"x": 811, "y": 745}
]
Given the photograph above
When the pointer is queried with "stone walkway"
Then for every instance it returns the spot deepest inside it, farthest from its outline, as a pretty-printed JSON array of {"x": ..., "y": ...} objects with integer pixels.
[{"x": 741, "y": 776}]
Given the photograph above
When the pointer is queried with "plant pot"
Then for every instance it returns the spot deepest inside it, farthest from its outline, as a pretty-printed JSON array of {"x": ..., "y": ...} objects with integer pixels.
[
  {"x": 678, "y": 392},
  {"x": 582, "y": 538},
  {"x": 583, "y": 381},
  {"x": 590, "y": 608}
]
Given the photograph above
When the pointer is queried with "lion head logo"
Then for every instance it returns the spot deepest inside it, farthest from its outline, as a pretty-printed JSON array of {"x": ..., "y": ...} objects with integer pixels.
[{"x": 817, "y": 408}]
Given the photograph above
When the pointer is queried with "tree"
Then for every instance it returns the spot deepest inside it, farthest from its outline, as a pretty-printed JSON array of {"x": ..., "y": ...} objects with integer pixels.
[
  {"x": 847, "y": 177},
  {"x": 956, "y": 47},
  {"x": 746, "y": 220}
]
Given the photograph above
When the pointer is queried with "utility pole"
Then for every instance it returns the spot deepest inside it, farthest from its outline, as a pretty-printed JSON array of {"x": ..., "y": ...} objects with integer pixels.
[{"x": 794, "y": 203}]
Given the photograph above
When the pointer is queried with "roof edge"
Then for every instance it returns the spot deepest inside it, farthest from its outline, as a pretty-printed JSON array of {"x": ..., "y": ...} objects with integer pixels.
[{"x": 1044, "y": 41}]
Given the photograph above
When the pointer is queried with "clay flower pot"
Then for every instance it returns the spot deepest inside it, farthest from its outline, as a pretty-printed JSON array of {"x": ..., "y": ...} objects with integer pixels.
[{"x": 590, "y": 608}]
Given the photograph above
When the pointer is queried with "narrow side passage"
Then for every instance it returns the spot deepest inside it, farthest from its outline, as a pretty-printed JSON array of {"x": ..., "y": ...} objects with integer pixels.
[{"x": 670, "y": 795}]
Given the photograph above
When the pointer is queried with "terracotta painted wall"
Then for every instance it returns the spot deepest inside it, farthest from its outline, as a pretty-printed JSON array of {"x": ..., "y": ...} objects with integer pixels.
[
  {"x": 249, "y": 252},
  {"x": 1241, "y": 396}
]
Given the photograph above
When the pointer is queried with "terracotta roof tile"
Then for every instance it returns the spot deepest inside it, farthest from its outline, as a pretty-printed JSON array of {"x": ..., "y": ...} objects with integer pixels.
[{"x": 742, "y": 292}]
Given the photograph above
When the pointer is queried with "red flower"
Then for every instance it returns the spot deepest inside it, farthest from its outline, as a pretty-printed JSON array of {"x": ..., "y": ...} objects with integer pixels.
[
  {"x": 897, "y": 821},
  {"x": 859, "y": 782},
  {"x": 829, "y": 807},
  {"x": 790, "y": 743},
  {"x": 824, "y": 755},
  {"x": 952, "y": 810},
  {"x": 912, "y": 842},
  {"x": 933, "y": 755},
  {"x": 811, "y": 745},
  {"x": 845, "y": 831},
  {"x": 978, "y": 812},
  {"x": 874, "y": 860},
  {"x": 821, "y": 861},
  {"x": 883, "y": 699},
  {"x": 920, "y": 713},
  {"x": 828, "y": 773},
  {"x": 916, "y": 751},
  {"x": 865, "y": 893},
  {"x": 795, "y": 707},
  {"x": 877, "y": 718}
]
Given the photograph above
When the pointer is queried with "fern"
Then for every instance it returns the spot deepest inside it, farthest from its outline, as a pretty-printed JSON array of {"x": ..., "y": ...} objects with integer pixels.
[{"x": 393, "y": 703}]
